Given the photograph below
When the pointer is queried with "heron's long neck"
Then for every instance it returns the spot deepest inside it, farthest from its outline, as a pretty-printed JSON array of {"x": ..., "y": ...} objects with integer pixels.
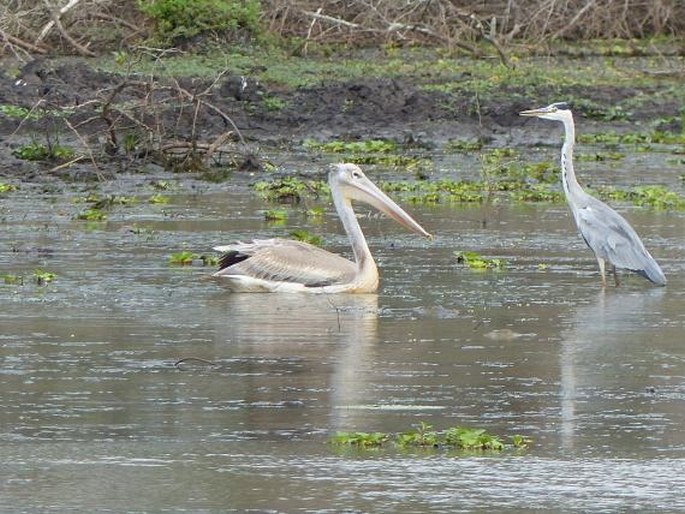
[
  {"x": 568, "y": 175},
  {"x": 362, "y": 254}
]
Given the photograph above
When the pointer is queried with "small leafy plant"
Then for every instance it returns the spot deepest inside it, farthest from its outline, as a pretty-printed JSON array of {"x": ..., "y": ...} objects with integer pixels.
[
  {"x": 306, "y": 237},
  {"x": 42, "y": 277},
  {"x": 6, "y": 188},
  {"x": 275, "y": 215},
  {"x": 476, "y": 262},
  {"x": 39, "y": 152},
  {"x": 183, "y": 258},
  {"x": 11, "y": 279},
  {"x": 91, "y": 214}
]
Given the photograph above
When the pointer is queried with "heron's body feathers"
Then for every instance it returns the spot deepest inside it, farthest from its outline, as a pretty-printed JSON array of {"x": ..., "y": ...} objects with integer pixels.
[{"x": 614, "y": 240}]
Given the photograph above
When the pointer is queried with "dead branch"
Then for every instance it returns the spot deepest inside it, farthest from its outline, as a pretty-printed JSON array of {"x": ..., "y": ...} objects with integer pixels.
[
  {"x": 40, "y": 49},
  {"x": 77, "y": 46},
  {"x": 56, "y": 14}
]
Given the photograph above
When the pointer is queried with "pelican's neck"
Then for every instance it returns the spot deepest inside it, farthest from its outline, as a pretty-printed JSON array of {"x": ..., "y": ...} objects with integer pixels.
[
  {"x": 568, "y": 175},
  {"x": 362, "y": 254}
]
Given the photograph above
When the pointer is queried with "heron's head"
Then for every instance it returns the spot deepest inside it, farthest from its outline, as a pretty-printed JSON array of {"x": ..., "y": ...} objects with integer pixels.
[{"x": 558, "y": 111}]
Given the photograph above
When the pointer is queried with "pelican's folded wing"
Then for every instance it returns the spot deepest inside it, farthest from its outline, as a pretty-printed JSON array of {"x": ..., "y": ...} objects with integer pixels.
[{"x": 283, "y": 260}]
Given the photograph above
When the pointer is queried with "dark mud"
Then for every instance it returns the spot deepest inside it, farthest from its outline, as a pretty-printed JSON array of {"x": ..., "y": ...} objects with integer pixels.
[{"x": 99, "y": 112}]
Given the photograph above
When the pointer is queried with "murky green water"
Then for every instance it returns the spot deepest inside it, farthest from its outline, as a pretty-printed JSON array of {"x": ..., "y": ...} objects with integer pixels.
[{"x": 95, "y": 416}]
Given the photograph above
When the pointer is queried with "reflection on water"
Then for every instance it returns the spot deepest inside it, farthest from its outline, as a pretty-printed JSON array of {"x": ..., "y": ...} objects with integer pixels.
[
  {"x": 333, "y": 336},
  {"x": 599, "y": 349},
  {"x": 91, "y": 396}
]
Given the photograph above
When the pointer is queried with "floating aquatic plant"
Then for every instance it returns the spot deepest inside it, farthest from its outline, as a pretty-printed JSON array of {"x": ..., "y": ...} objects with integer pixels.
[
  {"x": 91, "y": 215},
  {"x": 307, "y": 237},
  {"x": 275, "y": 215},
  {"x": 11, "y": 279},
  {"x": 476, "y": 262},
  {"x": 424, "y": 436},
  {"x": 6, "y": 188},
  {"x": 183, "y": 258},
  {"x": 42, "y": 277},
  {"x": 290, "y": 189}
]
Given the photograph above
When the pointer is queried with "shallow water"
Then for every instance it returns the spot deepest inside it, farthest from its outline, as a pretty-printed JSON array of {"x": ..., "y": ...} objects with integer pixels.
[{"x": 96, "y": 416}]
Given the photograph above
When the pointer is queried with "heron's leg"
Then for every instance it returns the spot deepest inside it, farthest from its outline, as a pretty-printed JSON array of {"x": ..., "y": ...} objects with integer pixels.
[
  {"x": 600, "y": 261},
  {"x": 616, "y": 280}
]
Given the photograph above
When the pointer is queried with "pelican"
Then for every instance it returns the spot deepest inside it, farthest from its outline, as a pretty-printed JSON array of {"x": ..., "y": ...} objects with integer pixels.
[{"x": 283, "y": 265}]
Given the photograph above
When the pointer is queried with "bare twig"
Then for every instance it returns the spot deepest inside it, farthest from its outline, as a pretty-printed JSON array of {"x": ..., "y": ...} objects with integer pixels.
[
  {"x": 87, "y": 147},
  {"x": 56, "y": 14},
  {"x": 77, "y": 46},
  {"x": 40, "y": 49}
]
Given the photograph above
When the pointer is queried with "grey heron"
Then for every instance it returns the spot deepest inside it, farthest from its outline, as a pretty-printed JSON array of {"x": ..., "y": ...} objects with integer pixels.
[
  {"x": 605, "y": 231},
  {"x": 283, "y": 265}
]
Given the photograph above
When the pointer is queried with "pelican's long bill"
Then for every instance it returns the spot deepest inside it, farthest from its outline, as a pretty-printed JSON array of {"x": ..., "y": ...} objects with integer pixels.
[{"x": 364, "y": 190}]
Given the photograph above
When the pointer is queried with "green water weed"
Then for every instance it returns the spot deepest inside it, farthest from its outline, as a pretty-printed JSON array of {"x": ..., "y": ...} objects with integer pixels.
[
  {"x": 42, "y": 277},
  {"x": 182, "y": 258},
  {"x": 475, "y": 261}
]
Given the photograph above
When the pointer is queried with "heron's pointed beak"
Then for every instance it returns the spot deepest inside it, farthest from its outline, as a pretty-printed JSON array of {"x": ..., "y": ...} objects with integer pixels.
[
  {"x": 535, "y": 112},
  {"x": 367, "y": 192}
]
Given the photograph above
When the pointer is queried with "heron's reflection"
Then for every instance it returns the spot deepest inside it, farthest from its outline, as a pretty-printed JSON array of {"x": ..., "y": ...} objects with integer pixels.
[
  {"x": 323, "y": 341},
  {"x": 597, "y": 334}
]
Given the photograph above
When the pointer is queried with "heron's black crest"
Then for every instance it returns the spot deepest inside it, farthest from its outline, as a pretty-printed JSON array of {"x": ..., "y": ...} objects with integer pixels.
[{"x": 562, "y": 106}]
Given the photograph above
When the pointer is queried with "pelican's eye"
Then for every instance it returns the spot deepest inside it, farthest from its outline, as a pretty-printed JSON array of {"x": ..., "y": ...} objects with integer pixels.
[{"x": 356, "y": 174}]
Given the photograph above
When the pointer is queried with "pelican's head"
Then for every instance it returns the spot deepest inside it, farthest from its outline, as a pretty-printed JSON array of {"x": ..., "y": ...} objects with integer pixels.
[
  {"x": 348, "y": 182},
  {"x": 558, "y": 111}
]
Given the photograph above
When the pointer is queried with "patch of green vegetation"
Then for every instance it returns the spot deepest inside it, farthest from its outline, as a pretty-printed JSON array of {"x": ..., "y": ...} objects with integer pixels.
[
  {"x": 352, "y": 147},
  {"x": 100, "y": 204},
  {"x": 275, "y": 215},
  {"x": 463, "y": 146},
  {"x": 599, "y": 157},
  {"x": 183, "y": 258},
  {"x": 314, "y": 212},
  {"x": 439, "y": 191},
  {"x": 632, "y": 138},
  {"x": 158, "y": 199},
  {"x": 306, "y": 237},
  {"x": 19, "y": 113},
  {"x": 163, "y": 185},
  {"x": 424, "y": 436},
  {"x": 655, "y": 197},
  {"x": 603, "y": 112},
  {"x": 363, "y": 440},
  {"x": 371, "y": 151},
  {"x": 11, "y": 279},
  {"x": 42, "y": 277},
  {"x": 92, "y": 214},
  {"x": 290, "y": 189},
  {"x": 537, "y": 193},
  {"x": 273, "y": 103},
  {"x": 185, "y": 19},
  {"x": 479, "y": 263},
  {"x": 36, "y": 151},
  {"x": 209, "y": 260},
  {"x": 6, "y": 188},
  {"x": 140, "y": 230},
  {"x": 24, "y": 113}
]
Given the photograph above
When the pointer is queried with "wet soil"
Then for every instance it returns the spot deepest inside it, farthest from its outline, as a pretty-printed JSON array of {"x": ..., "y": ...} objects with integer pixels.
[{"x": 128, "y": 123}]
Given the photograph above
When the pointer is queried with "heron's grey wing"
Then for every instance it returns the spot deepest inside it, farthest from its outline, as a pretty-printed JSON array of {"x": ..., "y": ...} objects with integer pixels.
[
  {"x": 612, "y": 238},
  {"x": 283, "y": 260}
]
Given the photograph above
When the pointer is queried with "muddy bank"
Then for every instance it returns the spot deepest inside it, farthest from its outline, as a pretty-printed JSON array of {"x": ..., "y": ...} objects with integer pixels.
[{"x": 132, "y": 123}]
